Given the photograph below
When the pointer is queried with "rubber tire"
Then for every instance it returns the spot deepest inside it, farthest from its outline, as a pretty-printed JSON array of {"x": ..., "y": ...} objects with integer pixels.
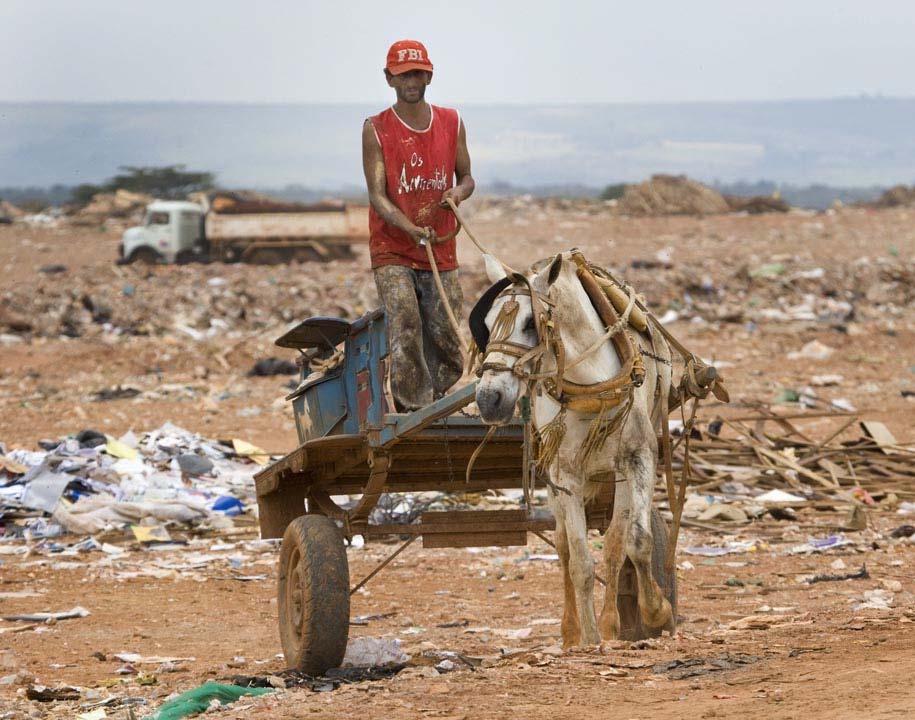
[
  {"x": 307, "y": 255},
  {"x": 145, "y": 256},
  {"x": 269, "y": 256},
  {"x": 627, "y": 601},
  {"x": 186, "y": 257},
  {"x": 313, "y": 572}
]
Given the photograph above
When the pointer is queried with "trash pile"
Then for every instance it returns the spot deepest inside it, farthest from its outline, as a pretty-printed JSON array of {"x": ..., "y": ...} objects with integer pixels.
[
  {"x": 672, "y": 195},
  {"x": 123, "y": 205},
  {"x": 208, "y": 301},
  {"x": 92, "y": 482}
]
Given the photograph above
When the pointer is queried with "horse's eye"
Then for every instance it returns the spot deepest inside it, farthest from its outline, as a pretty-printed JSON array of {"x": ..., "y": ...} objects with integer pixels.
[{"x": 529, "y": 325}]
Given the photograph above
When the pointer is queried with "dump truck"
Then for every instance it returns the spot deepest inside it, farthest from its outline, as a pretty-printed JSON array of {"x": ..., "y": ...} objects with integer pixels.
[{"x": 231, "y": 227}]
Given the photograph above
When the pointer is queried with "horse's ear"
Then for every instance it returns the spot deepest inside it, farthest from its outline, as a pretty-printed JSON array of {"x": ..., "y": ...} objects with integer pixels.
[
  {"x": 495, "y": 271},
  {"x": 555, "y": 268}
]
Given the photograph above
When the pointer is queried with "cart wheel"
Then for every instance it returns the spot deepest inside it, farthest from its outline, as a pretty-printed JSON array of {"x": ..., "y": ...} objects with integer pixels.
[
  {"x": 313, "y": 591},
  {"x": 627, "y": 601}
]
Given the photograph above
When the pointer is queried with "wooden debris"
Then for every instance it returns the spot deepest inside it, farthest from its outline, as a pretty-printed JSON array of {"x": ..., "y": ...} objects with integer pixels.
[
  {"x": 767, "y": 450},
  {"x": 881, "y": 434}
]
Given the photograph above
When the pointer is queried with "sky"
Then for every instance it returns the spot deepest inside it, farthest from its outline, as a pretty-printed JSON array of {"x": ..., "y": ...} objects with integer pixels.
[{"x": 492, "y": 51}]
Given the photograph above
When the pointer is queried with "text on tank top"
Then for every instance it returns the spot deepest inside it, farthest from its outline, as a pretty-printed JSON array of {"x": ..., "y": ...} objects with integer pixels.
[{"x": 419, "y": 167}]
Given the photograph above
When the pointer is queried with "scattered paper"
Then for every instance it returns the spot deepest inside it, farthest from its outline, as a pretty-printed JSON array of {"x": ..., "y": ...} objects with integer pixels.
[{"x": 373, "y": 652}]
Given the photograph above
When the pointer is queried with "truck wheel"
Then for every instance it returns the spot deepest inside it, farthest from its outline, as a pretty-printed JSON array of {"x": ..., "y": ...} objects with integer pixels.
[
  {"x": 145, "y": 256},
  {"x": 185, "y": 257},
  {"x": 344, "y": 251},
  {"x": 307, "y": 254},
  {"x": 313, "y": 595},
  {"x": 627, "y": 601},
  {"x": 267, "y": 256}
]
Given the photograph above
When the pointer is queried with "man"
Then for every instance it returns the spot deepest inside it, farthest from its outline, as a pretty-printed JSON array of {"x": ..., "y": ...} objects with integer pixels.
[{"x": 411, "y": 154}]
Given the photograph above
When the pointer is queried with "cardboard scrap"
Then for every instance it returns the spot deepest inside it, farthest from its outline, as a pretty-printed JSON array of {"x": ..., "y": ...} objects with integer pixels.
[
  {"x": 150, "y": 533},
  {"x": 11, "y": 466},
  {"x": 246, "y": 449}
]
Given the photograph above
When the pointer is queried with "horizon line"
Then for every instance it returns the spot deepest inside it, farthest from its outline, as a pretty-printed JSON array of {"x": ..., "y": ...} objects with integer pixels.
[{"x": 527, "y": 103}]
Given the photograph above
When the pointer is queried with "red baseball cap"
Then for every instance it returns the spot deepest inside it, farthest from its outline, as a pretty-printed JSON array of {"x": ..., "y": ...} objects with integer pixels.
[{"x": 407, "y": 55}]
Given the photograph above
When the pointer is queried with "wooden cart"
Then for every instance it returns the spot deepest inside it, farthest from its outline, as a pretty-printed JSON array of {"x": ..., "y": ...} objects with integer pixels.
[{"x": 350, "y": 444}]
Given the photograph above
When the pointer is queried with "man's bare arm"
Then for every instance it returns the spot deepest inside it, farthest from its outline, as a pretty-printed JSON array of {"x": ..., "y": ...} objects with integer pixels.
[
  {"x": 465, "y": 185},
  {"x": 375, "y": 179}
]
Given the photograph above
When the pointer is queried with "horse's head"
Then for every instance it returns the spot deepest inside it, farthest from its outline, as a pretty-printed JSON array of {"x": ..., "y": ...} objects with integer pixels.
[{"x": 506, "y": 325}]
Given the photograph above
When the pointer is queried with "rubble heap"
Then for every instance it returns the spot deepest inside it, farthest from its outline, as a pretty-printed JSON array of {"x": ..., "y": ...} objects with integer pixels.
[
  {"x": 9, "y": 212},
  {"x": 756, "y": 204},
  {"x": 672, "y": 195},
  {"x": 897, "y": 196}
]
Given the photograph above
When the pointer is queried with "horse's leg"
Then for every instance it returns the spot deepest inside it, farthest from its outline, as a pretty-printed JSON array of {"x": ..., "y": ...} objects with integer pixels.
[
  {"x": 580, "y": 564},
  {"x": 614, "y": 557},
  {"x": 571, "y": 630},
  {"x": 637, "y": 463}
]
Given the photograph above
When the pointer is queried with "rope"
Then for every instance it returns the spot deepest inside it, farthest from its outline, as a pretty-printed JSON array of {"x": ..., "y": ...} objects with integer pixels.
[
  {"x": 460, "y": 219},
  {"x": 441, "y": 291},
  {"x": 677, "y": 510},
  {"x": 476, "y": 453}
]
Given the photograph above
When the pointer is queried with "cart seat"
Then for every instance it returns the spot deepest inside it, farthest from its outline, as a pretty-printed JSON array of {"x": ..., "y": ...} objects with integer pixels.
[
  {"x": 325, "y": 332},
  {"x": 315, "y": 332}
]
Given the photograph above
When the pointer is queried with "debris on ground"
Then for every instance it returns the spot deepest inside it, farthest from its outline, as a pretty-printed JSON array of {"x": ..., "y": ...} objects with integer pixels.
[
  {"x": 90, "y": 483},
  {"x": 373, "y": 652},
  {"x": 861, "y": 574},
  {"x": 694, "y": 667}
]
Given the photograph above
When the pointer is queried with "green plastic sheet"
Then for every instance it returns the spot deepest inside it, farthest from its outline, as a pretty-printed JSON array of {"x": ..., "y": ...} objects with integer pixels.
[{"x": 199, "y": 699}]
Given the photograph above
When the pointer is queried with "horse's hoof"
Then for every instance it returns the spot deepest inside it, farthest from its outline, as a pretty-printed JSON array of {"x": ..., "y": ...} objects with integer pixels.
[
  {"x": 610, "y": 630},
  {"x": 662, "y": 617}
]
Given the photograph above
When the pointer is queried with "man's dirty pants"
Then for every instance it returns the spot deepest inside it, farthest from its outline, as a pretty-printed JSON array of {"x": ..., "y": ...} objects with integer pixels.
[{"x": 425, "y": 354}]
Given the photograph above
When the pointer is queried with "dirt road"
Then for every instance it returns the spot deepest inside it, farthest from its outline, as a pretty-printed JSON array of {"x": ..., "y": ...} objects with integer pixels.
[{"x": 789, "y": 649}]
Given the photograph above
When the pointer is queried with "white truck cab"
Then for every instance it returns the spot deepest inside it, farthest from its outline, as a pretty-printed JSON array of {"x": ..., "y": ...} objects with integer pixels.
[{"x": 172, "y": 231}]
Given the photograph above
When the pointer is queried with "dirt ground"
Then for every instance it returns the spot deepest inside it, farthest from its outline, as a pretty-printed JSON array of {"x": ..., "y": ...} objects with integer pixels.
[{"x": 806, "y": 652}]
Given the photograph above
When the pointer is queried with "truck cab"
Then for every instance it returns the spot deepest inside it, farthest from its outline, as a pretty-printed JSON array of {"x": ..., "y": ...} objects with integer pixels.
[{"x": 171, "y": 232}]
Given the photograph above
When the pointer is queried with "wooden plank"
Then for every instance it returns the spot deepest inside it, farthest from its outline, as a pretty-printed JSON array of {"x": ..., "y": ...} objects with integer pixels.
[
  {"x": 476, "y": 539},
  {"x": 415, "y": 421},
  {"x": 268, "y": 479}
]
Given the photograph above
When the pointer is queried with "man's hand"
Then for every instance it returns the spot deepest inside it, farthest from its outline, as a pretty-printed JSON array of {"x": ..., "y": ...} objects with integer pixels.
[
  {"x": 422, "y": 233},
  {"x": 457, "y": 193}
]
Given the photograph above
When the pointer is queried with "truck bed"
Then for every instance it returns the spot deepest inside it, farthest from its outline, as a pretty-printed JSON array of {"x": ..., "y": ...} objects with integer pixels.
[{"x": 350, "y": 223}]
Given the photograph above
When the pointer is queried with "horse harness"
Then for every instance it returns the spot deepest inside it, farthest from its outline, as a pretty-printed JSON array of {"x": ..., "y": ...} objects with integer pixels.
[{"x": 586, "y": 398}]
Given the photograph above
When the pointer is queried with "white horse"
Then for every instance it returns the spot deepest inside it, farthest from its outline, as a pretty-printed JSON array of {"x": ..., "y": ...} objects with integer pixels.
[{"x": 630, "y": 451}]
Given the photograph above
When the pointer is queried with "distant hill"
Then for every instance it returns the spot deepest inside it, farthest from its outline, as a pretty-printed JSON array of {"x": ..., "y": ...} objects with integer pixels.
[{"x": 844, "y": 142}]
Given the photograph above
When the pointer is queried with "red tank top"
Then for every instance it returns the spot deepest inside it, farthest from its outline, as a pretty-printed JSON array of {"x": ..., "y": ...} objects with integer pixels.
[{"x": 419, "y": 165}]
